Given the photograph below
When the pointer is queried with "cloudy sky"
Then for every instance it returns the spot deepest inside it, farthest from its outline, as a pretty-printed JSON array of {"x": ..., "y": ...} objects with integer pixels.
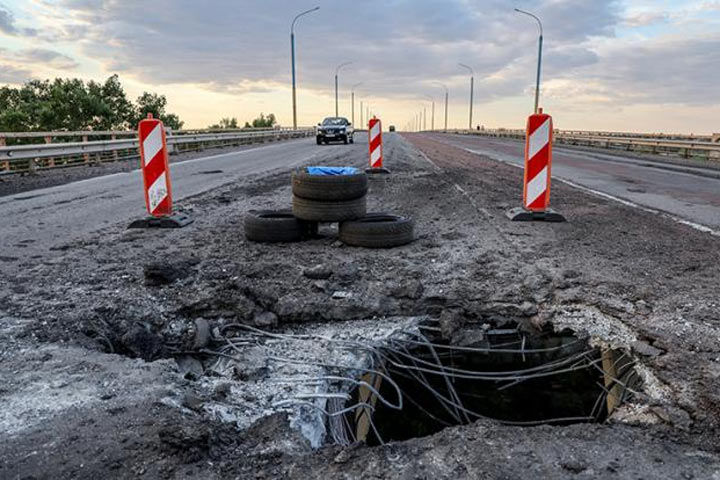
[{"x": 639, "y": 65}]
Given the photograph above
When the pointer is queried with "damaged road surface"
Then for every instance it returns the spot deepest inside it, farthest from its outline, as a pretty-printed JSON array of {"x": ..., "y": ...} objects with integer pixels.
[{"x": 483, "y": 349}]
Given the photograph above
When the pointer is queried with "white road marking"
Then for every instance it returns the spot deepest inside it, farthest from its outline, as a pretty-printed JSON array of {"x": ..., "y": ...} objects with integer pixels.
[
  {"x": 181, "y": 162},
  {"x": 683, "y": 221},
  {"x": 697, "y": 226}
]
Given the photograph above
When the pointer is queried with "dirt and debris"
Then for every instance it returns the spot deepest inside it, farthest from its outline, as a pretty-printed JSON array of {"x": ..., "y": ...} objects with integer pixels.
[{"x": 108, "y": 372}]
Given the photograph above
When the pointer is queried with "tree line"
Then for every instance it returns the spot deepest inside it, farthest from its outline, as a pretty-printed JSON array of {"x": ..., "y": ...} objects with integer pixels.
[
  {"x": 262, "y": 121},
  {"x": 73, "y": 105}
]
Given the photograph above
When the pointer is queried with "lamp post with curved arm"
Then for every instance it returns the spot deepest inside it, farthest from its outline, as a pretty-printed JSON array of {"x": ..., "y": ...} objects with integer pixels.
[
  {"x": 472, "y": 84},
  {"x": 446, "y": 101},
  {"x": 292, "y": 54},
  {"x": 539, "y": 64},
  {"x": 432, "y": 114},
  {"x": 336, "y": 85}
]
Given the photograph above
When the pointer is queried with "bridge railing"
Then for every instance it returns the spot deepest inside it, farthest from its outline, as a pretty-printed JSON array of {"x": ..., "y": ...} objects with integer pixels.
[
  {"x": 687, "y": 146},
  {"x": 22, "y": 152}
]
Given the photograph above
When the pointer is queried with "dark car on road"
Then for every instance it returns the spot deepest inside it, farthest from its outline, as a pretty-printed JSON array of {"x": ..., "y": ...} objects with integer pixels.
[{"x": 335, "y": 129}]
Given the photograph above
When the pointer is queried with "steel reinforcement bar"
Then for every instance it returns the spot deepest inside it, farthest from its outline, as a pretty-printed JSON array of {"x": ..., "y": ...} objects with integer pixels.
[{"x": 31, "y": 157}]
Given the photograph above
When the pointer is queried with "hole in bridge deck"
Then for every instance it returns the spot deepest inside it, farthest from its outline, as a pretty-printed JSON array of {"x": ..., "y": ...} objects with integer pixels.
[{"x": 510, "y": 376}]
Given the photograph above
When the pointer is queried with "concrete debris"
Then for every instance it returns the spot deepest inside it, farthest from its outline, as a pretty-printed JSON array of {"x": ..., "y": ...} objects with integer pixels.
[
  {"x": 450, "y": 322},
  {"x": 346, "y": 274},
  {"x": 265, "y": 319},
  {"x": 645, "y": 349},
  {"x": 410, "y": 289},
  {"x": 318, "y": 272},
  {"x": 202, "y": 334},
  {"x": 192, "y": 401},
  {"x": 252, "y": 410},
  {"x": 190, "y": 367}
]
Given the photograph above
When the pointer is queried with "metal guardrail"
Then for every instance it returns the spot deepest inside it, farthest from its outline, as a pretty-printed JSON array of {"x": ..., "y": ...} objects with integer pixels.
[
  {"x": 686, "y": 146},
  {"x": 36, "y": 156}
]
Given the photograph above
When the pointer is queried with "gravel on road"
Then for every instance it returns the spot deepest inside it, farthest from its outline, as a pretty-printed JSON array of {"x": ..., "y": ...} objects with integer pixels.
[{"x": 101, "y": 374}]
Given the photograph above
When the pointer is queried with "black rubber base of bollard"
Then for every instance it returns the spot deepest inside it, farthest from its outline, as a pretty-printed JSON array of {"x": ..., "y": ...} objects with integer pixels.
[
  {"x": 519, "y": 214},
  {"x": 377, "y": 170},
  {"x": 178, "y": 220}
]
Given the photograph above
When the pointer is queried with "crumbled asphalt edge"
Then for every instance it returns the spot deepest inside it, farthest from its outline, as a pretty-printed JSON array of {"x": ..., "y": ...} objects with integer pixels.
[{"x": 457, "y": 263}]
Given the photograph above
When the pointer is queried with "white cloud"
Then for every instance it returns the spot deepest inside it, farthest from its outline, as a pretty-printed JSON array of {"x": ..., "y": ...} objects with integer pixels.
[
  {"x": 240, "y": 49},
  {"x": 403, "y": 43},
  {"x": 45, "y": 57}
]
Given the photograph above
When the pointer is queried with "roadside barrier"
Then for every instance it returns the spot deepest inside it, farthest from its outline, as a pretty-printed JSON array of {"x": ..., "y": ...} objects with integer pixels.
[
  {"x": 22, "y": 152},
  {"x": 701, "y": 147},
  {"x": 375, "y": 147},
  {"x": 156, "y": 177},
  {"x": 538, "y": 163}
]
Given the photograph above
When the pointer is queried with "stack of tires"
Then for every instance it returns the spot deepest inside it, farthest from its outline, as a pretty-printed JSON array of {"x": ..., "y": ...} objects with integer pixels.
[{"x": 330, "y": 197}]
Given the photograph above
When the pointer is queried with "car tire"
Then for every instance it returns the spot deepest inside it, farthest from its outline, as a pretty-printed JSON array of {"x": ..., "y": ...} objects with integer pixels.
[
  {"x": 324, "y": 211},
  {"x": 275, "y": 226},
  {"x": 378, "y": 230},
  {"x": 345, "y": 140},
  {"x": 329, "y": 187}
]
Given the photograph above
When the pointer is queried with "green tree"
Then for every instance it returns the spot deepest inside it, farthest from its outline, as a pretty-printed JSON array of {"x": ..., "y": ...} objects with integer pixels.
[
  {"x": 225, "y": 123},
  {"x": 155, "y": 104},
  {"x": 70, "y": 104},
  {"x": 12, "y": 117},
  {"x": 116, "y": 108},
  {"x": 262, "y": 121}
]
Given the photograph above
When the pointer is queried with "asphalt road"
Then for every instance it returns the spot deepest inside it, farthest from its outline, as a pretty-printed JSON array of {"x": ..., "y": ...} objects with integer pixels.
[
  {"x": 35, "y": 222},
  {"x": 690, "y": 193}
]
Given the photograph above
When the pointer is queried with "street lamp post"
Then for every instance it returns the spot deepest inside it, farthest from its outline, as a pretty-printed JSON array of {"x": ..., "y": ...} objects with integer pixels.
[
  {"x": 336, "y": 85},
  {"x": 432, "y": 118},
  {"x": 361, "y": 114},
  {"x": 539, "y": 63},
  {"x": 352, "y": 101},
  {"x": 446, "y": 102},
  {"x": 472, "y": 85},
  {"x": 292, "y": 54}
]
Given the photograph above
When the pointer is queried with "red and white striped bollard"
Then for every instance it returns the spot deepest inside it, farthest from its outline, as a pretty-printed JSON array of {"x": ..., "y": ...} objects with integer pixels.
[
  {"x": 156, "y": 177},
  {"x": 538, "y": 163},
  {"x": 375, "y": 147}
]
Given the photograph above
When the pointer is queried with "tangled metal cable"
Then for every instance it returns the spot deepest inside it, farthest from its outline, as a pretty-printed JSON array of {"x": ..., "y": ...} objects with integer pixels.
[{"x": 412, "y": 356}]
